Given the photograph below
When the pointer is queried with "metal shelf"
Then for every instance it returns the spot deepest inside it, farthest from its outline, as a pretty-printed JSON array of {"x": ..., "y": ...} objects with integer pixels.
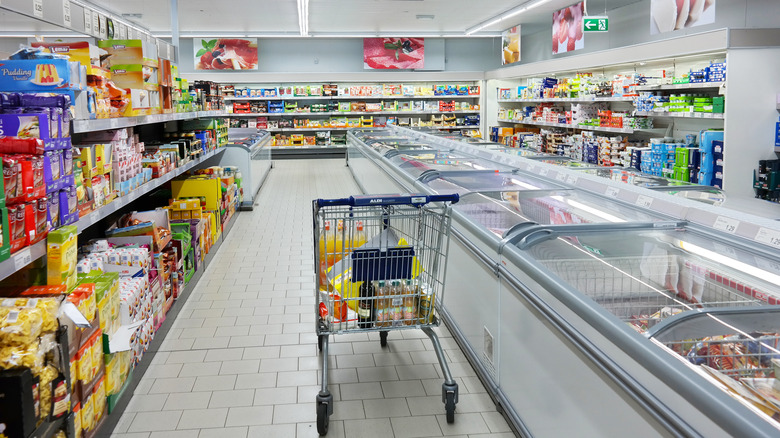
[
  {"x": 715, "y": 116},
  {"x": 697, "y": 85},
  {"x": 471, "y": 96},
  {"x": 22, "y": 258},
  {"x": 120, "y": 202},
  {"x": 305, "y": 129},
  {"x": 571, "y": 99},
  {"x": 80, "y": 126},
  {"x": 360, "y": 113},
  {"x": 566, "y": 125}
]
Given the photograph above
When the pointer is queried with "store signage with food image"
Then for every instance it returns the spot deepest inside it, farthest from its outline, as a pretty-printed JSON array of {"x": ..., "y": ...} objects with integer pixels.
[
  {"x": 669, "y": 15},
  {"x": 225, "y": 54},
  {"x": 510, "y": 46},
  {"x": 567, "y": 33},
  {"x": 393, "y": 53}
]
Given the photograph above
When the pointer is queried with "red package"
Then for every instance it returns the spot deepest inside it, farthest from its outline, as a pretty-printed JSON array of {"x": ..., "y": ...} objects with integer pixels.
[
  {"x": 30, "y": 180},
  {"x": 14, "y": 145},
  {"x": 11, "y": 175}
]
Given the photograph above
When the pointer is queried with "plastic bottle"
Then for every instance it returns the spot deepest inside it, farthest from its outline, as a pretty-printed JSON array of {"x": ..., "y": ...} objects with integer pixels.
[
  {"x": 381, "y": 305},
  {"x": 426, "y": 306},
  {"x": 396, "y": 304},
  {"x": 323, "y": 247},
  {"x": 359, "y": 238},
  {"x": 338, "y": 244},
  {"x": 410, "y": 304},
  {"x": 365, "y": 308}
]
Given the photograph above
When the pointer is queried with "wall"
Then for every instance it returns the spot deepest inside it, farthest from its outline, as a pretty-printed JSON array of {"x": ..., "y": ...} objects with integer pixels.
[
  {"x": 630, "y": 25},
  {"x": 345, "y": 55}
]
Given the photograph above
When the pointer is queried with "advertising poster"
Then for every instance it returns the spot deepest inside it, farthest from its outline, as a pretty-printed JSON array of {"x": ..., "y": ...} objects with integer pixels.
[
  {"x": 393, "y": 53},
  {"x": 225, "y": 54},
  {"x": 669, "y": 15},
  {"x": 510, "y": 46},
  {"x": 567, "y": 29}
]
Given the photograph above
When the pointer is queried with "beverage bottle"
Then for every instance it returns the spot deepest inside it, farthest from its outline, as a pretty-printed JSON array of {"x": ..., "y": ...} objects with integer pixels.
[
  {"x": 426, "y": 306},
  {"x": 360, "y": 236},
  {"x": 323, "y": 249},
  {"x": 396, "y": 304},
  {"x": 365, "y": 310},
  {"x": 381, "y": 305},
  {"x": 410, "y": 304},
  {"x": 338, "y": 242}
]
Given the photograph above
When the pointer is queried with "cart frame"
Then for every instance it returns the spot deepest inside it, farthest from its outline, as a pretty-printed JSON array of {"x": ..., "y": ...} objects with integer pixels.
[{"x": 407, "y": 250}]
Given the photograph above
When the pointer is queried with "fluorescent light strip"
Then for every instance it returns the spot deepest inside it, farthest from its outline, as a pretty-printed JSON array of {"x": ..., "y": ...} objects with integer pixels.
[
  {"x": 728, "y": 261},
  {"x": 303, "y": 17},
  {"x": 595, "y": 212},
  {"x": 527, "y": 6}
]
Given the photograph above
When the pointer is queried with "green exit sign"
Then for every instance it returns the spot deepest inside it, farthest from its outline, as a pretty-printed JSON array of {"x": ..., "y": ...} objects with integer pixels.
[{"x": 595, "y": 24}]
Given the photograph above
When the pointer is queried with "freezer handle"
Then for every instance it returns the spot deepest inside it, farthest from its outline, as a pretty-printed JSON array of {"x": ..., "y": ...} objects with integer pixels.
[{"x": 416, "y": 199}]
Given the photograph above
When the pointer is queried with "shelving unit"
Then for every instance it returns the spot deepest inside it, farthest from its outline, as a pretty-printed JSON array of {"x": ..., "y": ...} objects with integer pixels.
[
  {"x": 582, "y": 127},
  {"x": 364, "y": 113},
  {"x": 572, "y": 99},
  {"x": 82, "y": 126},
  {"x": 395, "y": 97},
  {"x": 714, "y": 116},
  {"x": 689, "y": 86}
]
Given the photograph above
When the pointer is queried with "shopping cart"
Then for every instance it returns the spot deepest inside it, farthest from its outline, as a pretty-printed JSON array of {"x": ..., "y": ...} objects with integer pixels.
[{"x": 379, "y": 265}]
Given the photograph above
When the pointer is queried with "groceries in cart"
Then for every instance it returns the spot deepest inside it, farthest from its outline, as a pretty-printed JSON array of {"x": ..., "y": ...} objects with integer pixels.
[{"x": 371, "y": 283}]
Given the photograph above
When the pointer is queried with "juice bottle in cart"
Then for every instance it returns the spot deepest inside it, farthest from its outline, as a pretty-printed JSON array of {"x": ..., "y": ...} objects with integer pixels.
[
  {"x": 410, "y": 304},
  {"x": 426, "y": 305},
  {"x": 324, "y": 254},
  {"x": 381, "y": 305},
  {"x": 396, "y": 304},
  {"x": 359, "y": 239},
  {"x": 338, "y": 247}
]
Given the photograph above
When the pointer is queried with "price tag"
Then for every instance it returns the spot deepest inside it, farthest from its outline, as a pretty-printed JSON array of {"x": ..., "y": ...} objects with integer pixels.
[
  {"x": 38, "y": 8},
  {"x": 96, "y": 24},
  {"x": 543, "y": 171},
  {"x": 66, "y": 18},
  {"x": 571, "y": 179},
  {"x": 122, "y": 31},
  {"x": 644, "y": 201},
  {"x": 770, "y": 237},
  {"x": 725, "y": 250},
  {"x": 87, "y": 21},
  {"x": 103, "y": 27},
  {"x": 531, "y": 167},
  {"x": 22, "y": 258},
  {"x": 561, "y": 177},
  {"x": 612, "y": 192},
  {"x": 767, "y": 265},
  {"x": 726, "y": 224}
]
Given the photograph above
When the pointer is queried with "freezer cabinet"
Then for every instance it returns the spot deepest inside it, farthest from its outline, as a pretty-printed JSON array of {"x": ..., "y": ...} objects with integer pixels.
[{"x": 578, "y": 308}]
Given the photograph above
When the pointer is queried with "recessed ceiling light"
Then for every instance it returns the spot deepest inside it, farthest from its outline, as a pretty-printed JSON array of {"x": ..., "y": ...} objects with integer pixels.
[{"x": 425, "y": 17}]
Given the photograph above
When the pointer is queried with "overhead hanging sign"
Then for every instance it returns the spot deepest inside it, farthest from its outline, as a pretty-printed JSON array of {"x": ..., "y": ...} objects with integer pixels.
[
  {"x": 510, "y": 46},
  {"x": 225, "y": 53},
  {"x": 393, "y": 53},
  {"x": 595, "y": 24}
]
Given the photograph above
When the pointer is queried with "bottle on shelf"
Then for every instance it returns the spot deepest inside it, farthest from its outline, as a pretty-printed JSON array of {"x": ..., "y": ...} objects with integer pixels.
[{"x": 365, "y": 309}]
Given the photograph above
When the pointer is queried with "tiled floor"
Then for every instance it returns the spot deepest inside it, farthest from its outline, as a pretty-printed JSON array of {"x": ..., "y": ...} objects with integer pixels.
[{"x": 241, "y": 359}]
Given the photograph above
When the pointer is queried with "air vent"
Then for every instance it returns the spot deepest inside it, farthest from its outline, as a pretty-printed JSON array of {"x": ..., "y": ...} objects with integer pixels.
[{"x": 426, "y": 17}]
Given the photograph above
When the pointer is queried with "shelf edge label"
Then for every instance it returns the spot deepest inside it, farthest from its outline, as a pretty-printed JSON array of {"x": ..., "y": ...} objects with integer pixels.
[
  {"x": 66, "y": 17},
  {"x": 38, "y": 8},
  {"x": 770, "y": 237},
  {"x": 726, "y": 224}
]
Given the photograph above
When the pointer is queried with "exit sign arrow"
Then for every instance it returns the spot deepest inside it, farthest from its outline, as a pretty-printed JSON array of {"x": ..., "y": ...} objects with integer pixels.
[{"x": 595, "y": 24}]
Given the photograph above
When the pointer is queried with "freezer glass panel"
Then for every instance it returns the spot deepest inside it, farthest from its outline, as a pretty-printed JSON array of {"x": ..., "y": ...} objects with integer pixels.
[
  {"x": 565, "y": 162},
  {"x": 645, "y": 276},
  {"x": 415, "y": 167},
  {"x": 521, "y": 152},
  {"x": 633, "y": 177},
  {"x": 500, "y": 210},
  {"x": 488, "y": 181},
  {"x": 704, "y": 194}
]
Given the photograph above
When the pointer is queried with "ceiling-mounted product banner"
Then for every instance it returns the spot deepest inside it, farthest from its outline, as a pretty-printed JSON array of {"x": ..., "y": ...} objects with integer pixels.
[
  {"x": 393, "y": 53},
  {"x": 510, "y": 46},
  {"x": 225, "y": 53},
  {"x": 669, "y": 15},
  {"x": 567, "y": 33}
]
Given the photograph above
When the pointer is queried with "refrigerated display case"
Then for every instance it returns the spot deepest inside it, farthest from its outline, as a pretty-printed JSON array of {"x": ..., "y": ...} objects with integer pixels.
[
  {"x": 557, "y": 294},
  {"x": 249, "y": 152}
]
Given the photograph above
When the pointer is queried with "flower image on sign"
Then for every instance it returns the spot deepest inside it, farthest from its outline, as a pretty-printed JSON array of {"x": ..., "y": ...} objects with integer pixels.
[
  {"x": 225, "y": 54},
  {"x": 393, "y": 53},
  {"x": 669, "y": 15},
  {"x": 567, "y": 31},
  {"x": 510, "y": 46}
]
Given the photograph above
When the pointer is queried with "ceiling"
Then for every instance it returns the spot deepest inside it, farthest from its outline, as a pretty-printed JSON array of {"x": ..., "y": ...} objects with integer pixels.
[{"x": 342, "y": 17}]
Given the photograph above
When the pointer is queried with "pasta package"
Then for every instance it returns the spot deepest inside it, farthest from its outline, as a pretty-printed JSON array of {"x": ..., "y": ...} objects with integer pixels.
[
  {"x": 20, "y": 326},
  {"x": 20, "y": 356},
  {"x": 49, "y": 307}
]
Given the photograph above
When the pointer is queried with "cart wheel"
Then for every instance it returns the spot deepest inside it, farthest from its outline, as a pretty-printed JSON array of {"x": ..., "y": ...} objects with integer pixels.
[
  {"x": 450, "y": 397},
  {"x": 449, "y": 407},
  {"x": 383, "y": 338},
  {"x": 322, "y": 419}
]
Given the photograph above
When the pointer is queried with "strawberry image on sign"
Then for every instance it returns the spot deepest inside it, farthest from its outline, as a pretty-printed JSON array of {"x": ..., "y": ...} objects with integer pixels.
[
  {"x": 227, "y": 54},
  {"x": 393, "y": 53}
]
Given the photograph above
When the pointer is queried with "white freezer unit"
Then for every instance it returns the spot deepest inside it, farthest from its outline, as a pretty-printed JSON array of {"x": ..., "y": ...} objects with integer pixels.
[
  {"x": 549, "y": 333},
  {"x": 252, "y": 156}
]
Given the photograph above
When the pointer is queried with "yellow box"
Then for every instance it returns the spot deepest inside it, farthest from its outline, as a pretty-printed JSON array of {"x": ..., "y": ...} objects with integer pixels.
[
  {"x": 61, "y": 256},
  {"x": 196, "y": 187},
  {"x": 175, "y": 215},
  {"x": 196, "y": 214},
  {"x": 87, "y": 162},
  {"x": 185, "y": 215}
]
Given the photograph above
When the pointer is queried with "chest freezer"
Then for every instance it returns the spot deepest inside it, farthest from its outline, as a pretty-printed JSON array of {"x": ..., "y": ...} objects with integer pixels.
[
  {"x": 471, "y": 181},
  {"x": 443, "y": 162}
]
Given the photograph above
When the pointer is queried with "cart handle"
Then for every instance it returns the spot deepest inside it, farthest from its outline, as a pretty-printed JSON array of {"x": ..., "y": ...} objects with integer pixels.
[{"x": 415, "y": 199}]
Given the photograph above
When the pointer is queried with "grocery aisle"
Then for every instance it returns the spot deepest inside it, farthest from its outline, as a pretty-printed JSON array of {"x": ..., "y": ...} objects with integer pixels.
[{"x": 241, "y": 358}]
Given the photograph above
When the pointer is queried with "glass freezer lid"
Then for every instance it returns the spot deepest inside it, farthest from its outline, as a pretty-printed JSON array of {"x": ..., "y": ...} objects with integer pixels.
[
  {"x": 645, "y": 276},
  {"x": 632, "y": 177},
  {"x": 463, "y": 182},
  {"x": 500, "y": 210},
  {"x": 704, "y": 194},
  {"x": 416, "y": 167},
  {"x": 563, "y": 162},
  {"x": 520, "y": 152}
]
